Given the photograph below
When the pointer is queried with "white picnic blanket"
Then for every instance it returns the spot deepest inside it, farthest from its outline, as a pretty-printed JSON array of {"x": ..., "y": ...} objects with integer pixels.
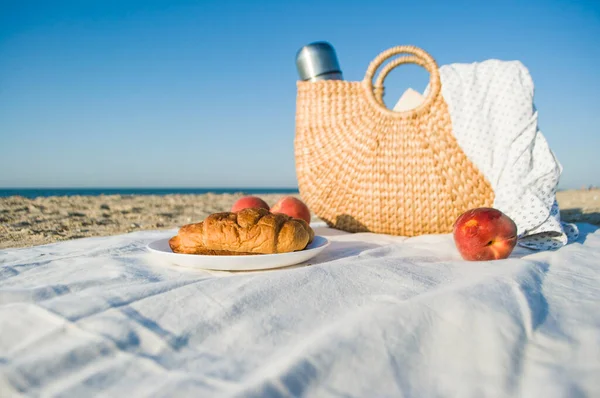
[{"x": 371, "y": 316}]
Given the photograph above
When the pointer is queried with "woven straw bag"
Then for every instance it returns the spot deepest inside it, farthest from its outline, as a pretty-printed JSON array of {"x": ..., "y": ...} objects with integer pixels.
[{"x": 363, "y": 167}]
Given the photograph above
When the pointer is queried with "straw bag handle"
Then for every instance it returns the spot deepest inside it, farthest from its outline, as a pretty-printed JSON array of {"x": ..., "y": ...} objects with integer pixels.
[{"x": 420, "y": 57}]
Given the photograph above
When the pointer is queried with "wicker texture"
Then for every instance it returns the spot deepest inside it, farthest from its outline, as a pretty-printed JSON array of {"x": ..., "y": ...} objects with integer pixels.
[{"x": 363, "y": 167}]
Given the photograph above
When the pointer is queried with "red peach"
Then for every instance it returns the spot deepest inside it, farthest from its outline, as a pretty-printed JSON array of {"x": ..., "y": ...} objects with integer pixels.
[
  {"x": 249, "y": 201},
  {"x": 292, "y": 207},
  {"x": 484, "y": 234}
]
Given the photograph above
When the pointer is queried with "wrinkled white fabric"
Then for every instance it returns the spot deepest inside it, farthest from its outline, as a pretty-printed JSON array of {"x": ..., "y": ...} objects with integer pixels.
[
  {"x": 494, "y": 120},
  {"x": 371, "y": 316}
]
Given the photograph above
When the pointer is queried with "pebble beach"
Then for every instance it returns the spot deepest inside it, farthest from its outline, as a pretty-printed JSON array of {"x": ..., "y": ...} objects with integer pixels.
[{"x": 28, "y": 222}]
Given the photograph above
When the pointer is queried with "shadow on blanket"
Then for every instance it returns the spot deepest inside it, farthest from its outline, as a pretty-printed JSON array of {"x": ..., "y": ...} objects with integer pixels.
[
  {"x": 342, "y": 249},
  {"x": 577, "y": 215},
  {"x": 345, "y": 220},
  {"x": 585, "y": 229}
]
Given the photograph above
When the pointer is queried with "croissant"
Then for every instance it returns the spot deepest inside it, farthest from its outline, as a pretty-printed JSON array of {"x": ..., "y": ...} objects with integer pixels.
[{"x": 249, "y": 231}]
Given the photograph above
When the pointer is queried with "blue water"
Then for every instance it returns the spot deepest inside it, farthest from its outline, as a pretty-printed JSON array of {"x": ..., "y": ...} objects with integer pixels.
[{"x": 37, "y": 192}]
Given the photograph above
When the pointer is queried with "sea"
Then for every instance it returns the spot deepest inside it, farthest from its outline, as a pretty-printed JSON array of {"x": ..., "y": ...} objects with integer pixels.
[{"x": 33, "y": 193}]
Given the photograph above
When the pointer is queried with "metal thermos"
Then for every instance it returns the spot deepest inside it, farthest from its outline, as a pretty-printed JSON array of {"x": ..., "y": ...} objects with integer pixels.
[{"x": 318, "y": 61}]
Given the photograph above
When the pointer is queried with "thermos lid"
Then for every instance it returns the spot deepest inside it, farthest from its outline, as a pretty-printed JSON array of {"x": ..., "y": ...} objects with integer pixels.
[{"x": 316, "y": 59}]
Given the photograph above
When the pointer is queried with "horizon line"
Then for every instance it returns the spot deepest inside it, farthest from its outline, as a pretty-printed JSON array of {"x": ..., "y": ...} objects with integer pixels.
[{"x": 149, "y": 187}]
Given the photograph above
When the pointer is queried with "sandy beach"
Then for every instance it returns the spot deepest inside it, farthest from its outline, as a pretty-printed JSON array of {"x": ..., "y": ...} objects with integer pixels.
[{"x": 28, "y": 222}]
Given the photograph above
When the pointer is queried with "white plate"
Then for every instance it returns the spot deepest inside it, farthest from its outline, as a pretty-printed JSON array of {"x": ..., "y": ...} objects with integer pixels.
[{"x": 161, "y": 249}]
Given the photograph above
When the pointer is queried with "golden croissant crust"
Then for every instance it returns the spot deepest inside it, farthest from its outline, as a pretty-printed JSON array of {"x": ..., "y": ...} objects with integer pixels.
[{"x": 249, "y": 231}]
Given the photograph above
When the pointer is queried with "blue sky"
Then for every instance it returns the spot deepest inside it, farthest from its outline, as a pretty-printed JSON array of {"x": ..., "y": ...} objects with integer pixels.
[{"x": 202, "y": 93}]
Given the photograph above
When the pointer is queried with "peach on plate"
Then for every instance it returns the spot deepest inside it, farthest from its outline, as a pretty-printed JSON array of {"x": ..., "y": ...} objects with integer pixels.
[
  {"x": 249, "y": 202},
  {"x": 292, "y": 207}
]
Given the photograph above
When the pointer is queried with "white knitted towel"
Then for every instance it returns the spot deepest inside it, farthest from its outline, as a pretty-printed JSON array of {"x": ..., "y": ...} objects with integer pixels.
[{"x": 495, "y": 122}]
